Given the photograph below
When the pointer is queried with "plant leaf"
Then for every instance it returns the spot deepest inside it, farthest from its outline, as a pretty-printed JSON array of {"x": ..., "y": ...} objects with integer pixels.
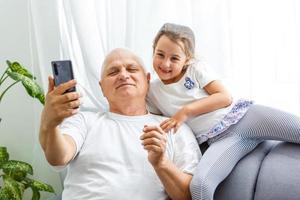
[
  {"x": 16, "y": 67},
  {"x": 35, "y": 195},
  {"x": 4, "y": 156},
  {"x": 14, "y": 166},
  {"x": 15, "y": 189},
  {"x": 32, "y": 88},
  {"x": 37, "y": 185},
  {"x": 18, "y": 175},
  {"x": 4, "y": 194}
]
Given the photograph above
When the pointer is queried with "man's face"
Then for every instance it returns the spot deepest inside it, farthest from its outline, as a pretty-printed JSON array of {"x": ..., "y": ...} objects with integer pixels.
[{"x": 123, "y": 78}]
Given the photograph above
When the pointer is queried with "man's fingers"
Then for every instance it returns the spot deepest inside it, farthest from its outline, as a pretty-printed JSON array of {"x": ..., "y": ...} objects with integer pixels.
[
  {"x": 65, "y": 86},
  {"x": 68, "y": 113},
  {"x": 154, "y": 148},
  {"x": 151, "y": 134},
  {"x": 50, "y": 83},
  {"x": 72, "y": 104},
  {"x": 154, "y": 141},
  {"x": 71, "y": 96},
  {"x": 153, "y": 128}
]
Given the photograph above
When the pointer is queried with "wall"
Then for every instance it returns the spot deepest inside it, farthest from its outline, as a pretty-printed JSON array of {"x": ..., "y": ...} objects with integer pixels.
[{"x": 20, "y": 113}]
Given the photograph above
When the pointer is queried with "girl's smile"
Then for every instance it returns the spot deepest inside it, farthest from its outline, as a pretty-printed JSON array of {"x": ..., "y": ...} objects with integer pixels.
[{"x": 169, "y": 60}]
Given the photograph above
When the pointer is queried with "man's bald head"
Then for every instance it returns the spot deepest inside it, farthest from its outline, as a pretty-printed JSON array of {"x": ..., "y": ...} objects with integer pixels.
[{"x": 117, "y": 54}]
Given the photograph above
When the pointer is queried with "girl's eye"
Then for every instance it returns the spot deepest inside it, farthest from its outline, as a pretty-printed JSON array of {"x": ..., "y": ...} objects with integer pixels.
[{"x": 175, "y": 59}]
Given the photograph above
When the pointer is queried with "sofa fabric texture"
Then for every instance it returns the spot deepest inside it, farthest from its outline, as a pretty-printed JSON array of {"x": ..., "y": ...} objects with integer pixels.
[{"x": 270, "y": 171}]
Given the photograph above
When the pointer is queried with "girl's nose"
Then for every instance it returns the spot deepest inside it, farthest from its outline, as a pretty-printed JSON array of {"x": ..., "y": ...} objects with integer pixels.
[{"x": 166, "y": 63}]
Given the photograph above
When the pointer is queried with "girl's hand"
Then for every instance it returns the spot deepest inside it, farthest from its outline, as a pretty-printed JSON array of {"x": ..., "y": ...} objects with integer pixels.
[{"x": 175, "y": 121}]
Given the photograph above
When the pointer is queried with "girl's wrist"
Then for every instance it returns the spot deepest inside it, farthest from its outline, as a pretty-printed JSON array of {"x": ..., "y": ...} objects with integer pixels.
[{"x": 187, "y": 111}]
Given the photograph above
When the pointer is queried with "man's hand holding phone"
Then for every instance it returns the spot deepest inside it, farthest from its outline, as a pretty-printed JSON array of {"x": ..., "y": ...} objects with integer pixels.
[
  {"x": 63, "y": 72},
  {"x": 62, "y": 100},
  {"x": 58, "y": 104}
]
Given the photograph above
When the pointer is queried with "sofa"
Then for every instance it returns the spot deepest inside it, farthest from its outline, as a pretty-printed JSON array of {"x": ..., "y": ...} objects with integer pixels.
[{"x": 270, "y": 172}]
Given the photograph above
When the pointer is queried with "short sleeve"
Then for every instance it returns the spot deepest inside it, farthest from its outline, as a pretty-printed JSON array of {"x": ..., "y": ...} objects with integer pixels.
[
  {"x": 204, "y": 74},
  {"x": 76, "y": 127},
  {"x": 73, "y": 126},
  {"x": 186, "y": 150}
]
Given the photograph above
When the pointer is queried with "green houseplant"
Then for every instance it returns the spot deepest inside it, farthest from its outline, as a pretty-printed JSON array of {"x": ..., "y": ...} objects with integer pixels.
[{"x": 15, "y": 174}]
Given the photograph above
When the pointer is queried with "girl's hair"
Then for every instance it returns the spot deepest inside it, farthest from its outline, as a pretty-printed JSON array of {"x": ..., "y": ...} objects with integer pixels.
[{"x": 177, "y": 33}]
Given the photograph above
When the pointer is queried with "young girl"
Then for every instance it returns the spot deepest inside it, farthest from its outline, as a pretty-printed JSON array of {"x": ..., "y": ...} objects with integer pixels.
[{"x": 187, "y": 92}]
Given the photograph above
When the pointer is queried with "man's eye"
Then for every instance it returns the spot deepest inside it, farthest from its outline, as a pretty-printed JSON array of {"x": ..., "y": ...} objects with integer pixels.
[
  {"x": 112, "y": 73},
  {"x": 132, "y": 69}
]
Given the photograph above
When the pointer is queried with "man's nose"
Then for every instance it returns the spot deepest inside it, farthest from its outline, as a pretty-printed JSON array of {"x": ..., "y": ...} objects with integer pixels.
[{"x": 124, "y": 74}]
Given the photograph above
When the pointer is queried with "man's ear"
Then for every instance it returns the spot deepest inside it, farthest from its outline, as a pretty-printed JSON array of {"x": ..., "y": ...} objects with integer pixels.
[
  {"x": 148, "y": 77},
  {"x": 101, "y": 88}
]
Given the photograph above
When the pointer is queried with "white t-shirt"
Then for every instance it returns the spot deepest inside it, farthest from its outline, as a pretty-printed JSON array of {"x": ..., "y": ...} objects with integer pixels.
[
  {"x": 168, "y": 99},
  {"x": 111, "y": 162}
]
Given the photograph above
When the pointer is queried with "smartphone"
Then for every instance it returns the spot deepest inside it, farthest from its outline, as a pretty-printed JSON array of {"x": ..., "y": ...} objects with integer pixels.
[{"x": 63, "y": 72}]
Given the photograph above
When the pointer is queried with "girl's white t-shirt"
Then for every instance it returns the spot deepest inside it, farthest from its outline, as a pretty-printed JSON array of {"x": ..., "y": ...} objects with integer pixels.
[{"x": 167, "y": 99}]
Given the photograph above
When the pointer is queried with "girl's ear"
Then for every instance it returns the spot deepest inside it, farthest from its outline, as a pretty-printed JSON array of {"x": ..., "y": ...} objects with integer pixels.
[{"x": 187, "y": 62}]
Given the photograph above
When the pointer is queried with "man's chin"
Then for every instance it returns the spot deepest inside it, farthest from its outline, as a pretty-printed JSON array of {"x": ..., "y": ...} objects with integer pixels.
[{"x": 125, "y": 92}]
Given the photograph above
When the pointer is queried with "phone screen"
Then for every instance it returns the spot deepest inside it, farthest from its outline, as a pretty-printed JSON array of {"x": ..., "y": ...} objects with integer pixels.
[{"x": 63, "y": 72}]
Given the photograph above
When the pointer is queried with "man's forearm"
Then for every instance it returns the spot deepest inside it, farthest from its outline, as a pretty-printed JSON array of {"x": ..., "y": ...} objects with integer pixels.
[
  {"x": 175, "y": 181},
  {"x": 59, "y": 149}
]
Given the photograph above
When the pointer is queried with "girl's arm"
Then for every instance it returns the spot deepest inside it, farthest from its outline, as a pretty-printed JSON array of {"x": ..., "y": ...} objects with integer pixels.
[{"x": 218, "y": 98}]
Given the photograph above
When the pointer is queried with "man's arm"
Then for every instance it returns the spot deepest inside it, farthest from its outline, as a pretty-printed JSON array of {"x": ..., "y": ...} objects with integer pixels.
[
  {"x": 59, "y": 149},
  {"x": 175, "y": 181}
]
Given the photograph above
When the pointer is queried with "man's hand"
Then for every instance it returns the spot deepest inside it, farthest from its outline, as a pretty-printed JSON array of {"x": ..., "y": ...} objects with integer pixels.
[
  {"x": 58, "y": 105},
  {"x": 154, "y": 141},
  {"x": 175, "y": 121},
  {"x": 175, "y": 181},
  {"x": 59, "y": 149}
]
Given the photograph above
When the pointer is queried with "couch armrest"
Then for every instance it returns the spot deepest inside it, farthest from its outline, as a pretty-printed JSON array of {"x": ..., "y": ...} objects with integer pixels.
[
  {"x": 279, "y": 176},
  {"x": 241, "y": 182}
]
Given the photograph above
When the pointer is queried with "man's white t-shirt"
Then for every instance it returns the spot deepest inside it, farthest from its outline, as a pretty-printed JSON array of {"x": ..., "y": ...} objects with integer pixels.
[
  {"x": 167, "y": 99},
  {"x": 111, "y": 162}
]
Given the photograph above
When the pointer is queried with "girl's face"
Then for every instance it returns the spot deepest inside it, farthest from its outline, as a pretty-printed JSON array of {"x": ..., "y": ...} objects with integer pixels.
[{"x": 169, "y": 60}]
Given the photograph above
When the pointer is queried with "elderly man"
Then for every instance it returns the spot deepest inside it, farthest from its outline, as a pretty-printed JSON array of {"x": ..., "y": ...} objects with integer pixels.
[{"x": 120, "y": 154}]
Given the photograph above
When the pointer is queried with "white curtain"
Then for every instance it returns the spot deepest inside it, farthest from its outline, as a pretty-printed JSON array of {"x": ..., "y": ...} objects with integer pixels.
[{"x": 253, "y": 44}]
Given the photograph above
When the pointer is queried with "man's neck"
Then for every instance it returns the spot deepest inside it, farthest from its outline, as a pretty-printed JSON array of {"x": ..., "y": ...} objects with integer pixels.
[{"x": 129, "y": 108}]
